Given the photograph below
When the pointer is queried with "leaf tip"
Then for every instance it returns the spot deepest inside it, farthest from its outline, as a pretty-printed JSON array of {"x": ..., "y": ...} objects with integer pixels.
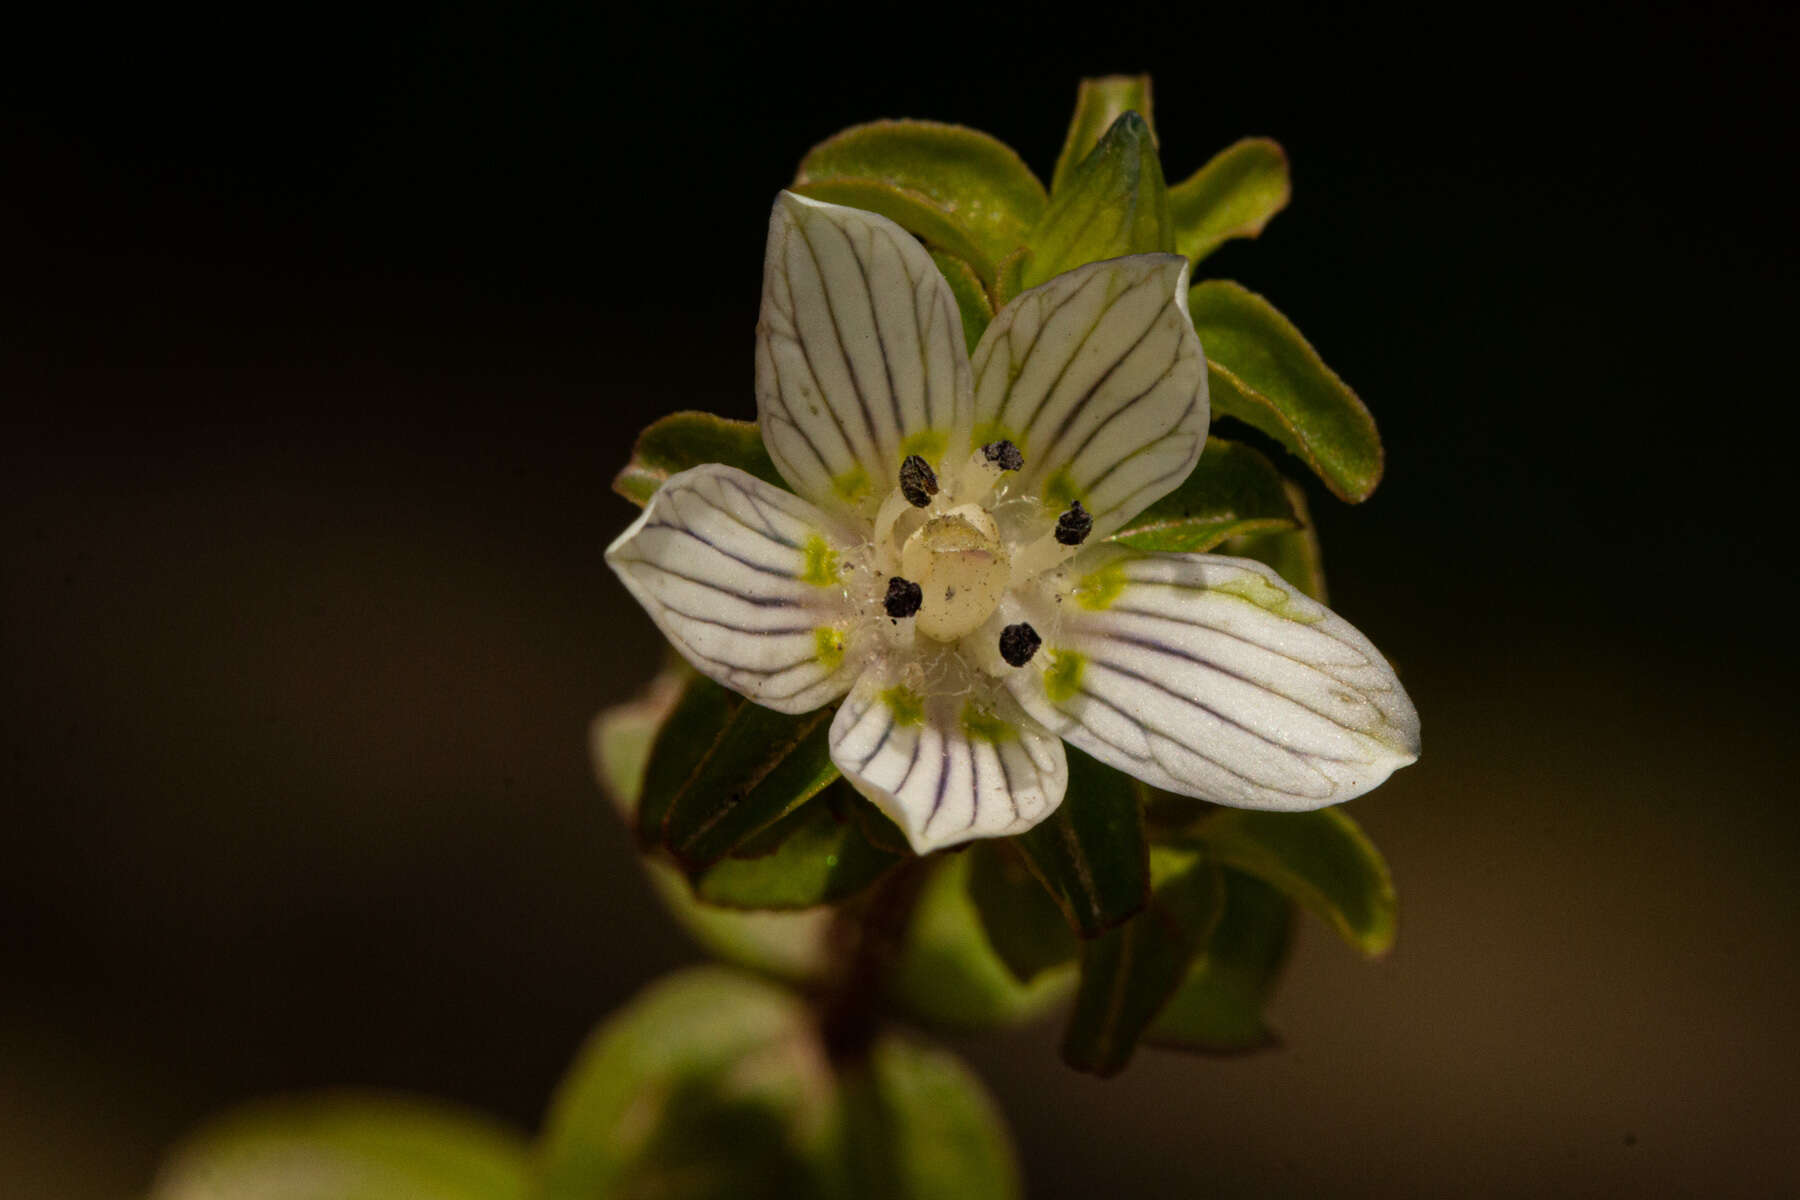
[{"x": 630, "y": 484}]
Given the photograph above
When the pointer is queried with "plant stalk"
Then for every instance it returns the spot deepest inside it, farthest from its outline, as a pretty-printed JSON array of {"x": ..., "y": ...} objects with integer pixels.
[{"x": 866, "y": 940}]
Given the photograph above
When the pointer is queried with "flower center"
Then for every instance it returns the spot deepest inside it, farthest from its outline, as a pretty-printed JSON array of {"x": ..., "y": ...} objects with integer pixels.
[{"x": 962, "y": 570}]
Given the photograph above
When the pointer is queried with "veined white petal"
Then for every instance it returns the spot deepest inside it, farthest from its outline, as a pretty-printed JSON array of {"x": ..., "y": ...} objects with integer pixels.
[
  {"x": 1099, "y": 378},
  {"x": 859, "y": 355},
  {"x": 947, "y": 767},
  {"x": 1213, "y": 677},
  {"x": 746, "y": 581}
]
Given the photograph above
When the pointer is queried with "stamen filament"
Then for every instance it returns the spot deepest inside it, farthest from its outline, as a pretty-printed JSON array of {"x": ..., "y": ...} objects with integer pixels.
[
  {"x": 1041, "y": 555},
  {"x": 892, "y": 509},
  {"x": 983, "y": 471}
]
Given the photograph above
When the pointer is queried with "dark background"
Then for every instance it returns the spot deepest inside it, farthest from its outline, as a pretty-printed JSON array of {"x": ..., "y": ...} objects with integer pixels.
[{"x": 323, "y": 333}]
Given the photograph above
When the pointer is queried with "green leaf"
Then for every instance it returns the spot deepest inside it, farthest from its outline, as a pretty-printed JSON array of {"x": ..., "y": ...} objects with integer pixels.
[
  {"x": 1294, "y": 553},
  {"x": 621, "y": 738},
  {"x": 1091, "y": 852},
  {"x": 723, "y": 768},
  {"x": 1219, "y": 1007},
  {"x": 1265, "y": 374},
  {"x": 713, "y": 1084},
  {"x": 1232, "y": 492},
  {"x": 688, "y": 439},
  {"x": 1233, "y": 196},
  {"x": 917, "y": 1125},
  {"x": 1098, "y": 103},
  {"x": 792, "y": 944},
  {"x": 961, "y": 190},
  {"x": 346, "y": 1146},
  {"x": 971, "y": 298},
  {"x": 709, "y": 1083},
  {"x": 947, "y": 972},
  {"x": 819, "y": 854},
  {"x": 1113, "y": 203},
  {"x": 1129, "y": 973},
  {"x": 1323, "y": 859},
  {"x": 1023, "y": 925}
]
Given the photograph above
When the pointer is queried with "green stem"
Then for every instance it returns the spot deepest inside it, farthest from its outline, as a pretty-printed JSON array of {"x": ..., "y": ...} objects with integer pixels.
[{"x": 866, "y": 940}]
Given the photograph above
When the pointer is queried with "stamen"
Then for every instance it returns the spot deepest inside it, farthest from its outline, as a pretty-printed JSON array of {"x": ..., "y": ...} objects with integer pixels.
[
  {"x": 903, "y": 597},
  {"x": 1043, "y": 553},
  {"x": 1005, "y": 455},
  {"x": 1073, "y": 527},
  {"x": 1018, "y": 643},
  {"x": 983, "y": 470},
  {"x": 892, "y": 509},
  {"x": 918, "y": 482}
]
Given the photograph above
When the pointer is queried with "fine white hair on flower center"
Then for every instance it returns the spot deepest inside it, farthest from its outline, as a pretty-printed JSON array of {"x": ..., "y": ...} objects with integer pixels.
[{"x": 946, "y": 553}]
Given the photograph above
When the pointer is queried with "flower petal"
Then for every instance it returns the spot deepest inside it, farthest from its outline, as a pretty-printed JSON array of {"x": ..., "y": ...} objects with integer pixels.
[
  {"x": 1214, "y": 678},
  {"x": 947, "y": 767},
  {"x": 1099, "y": 378},
  {"x": 859, "y": 355},
  {"x": 746, "y": 581}
]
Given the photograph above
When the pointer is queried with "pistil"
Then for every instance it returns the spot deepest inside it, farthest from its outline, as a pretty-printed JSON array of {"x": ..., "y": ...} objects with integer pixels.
[{"x": 962, "y": 570}]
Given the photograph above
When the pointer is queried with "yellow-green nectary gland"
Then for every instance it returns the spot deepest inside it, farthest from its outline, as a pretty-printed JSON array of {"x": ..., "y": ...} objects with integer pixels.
[{"x": 961, "y": 568}]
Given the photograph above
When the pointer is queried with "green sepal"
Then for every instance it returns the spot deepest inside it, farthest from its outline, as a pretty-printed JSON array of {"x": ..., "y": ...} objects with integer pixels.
[
  {"x": 1294, "y": 553},
  {"x": 739, "y": 795},
  {"x": 1009, "y": 277},
  {"x": 1219, "y": 1007},
  {"x": 1265, "y": 374},
  {"x": 880, "y": 829},
  {"x": 722, "y": 768},
  {"x": 701, "y": 711},
  {"x": 972, "y": 302},
  {"x": 1114, "y": 203},
  {"x": 1321, "y": 859},
  {"x": 346, "y": 1146},
  {"x": 947, "y": 972},
  {"x": 1023, "y": 925},
  {"x": 1170, "y": 814},
  {"x": 961, "y": 190},
  {"x": 759, "y": 766},
  {"x": 1098, "y": 103},
  {"x": 1128, "y": 974},
  {"x": 1091, "y": 853},
  {"x": 787, "y": 945},
  {"x": 690, "y": 439},
  {"x": 818, "y": 854},
  {"x": 1234, "y": 195},
  {"x": 1232, "y": 492}
]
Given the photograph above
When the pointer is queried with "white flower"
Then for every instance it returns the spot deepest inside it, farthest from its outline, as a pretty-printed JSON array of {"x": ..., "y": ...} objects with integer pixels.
[{"x": 942, "y": 564}]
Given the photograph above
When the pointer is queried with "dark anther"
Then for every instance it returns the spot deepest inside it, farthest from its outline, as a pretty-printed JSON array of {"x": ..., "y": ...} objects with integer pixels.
[
  {"x": 1073, "y": 526},
  {"x": 1018, "y": 643},
  {"x": 903, "y": 598},
  {"x": 1004, "y": 455},
  {"x": 918, "y": 482}
]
